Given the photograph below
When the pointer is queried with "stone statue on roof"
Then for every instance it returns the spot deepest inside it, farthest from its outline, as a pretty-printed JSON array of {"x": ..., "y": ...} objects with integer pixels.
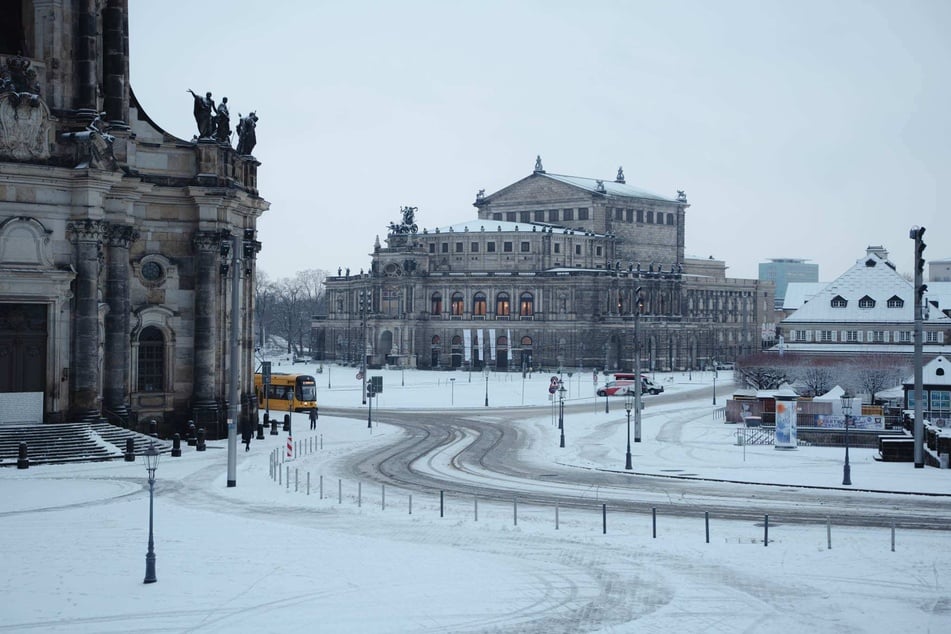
[
  {"x": 409, "y": 221},
  {"x": 538, "y": 164}
]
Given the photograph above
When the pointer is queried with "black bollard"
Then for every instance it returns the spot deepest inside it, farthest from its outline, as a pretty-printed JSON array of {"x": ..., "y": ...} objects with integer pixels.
[
  {"x": 176, "y": 446},
  {"x": 287, "y": 422},
  {"x": 261, "y": 425},
  {"x": 23, "y": 462},
  {"x": 153, "y": 428},
  {"x": 274, "y": 427},
  {"x": 129, "y": 450},
  {"x": 191, "y": 434},
  {"x": 200, "y": 443}
]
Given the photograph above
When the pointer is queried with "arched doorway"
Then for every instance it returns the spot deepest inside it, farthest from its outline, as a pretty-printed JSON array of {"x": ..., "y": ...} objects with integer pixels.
[
  {"x": 435, "y": 348},
  {"x": 455, "y": 359},
  {"x": 526, "y": 350},
  {"x": 502, "y": 353}
]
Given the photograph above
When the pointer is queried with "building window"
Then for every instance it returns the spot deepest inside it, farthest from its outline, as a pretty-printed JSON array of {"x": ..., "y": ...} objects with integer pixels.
[
  {"x": 670, "y": 219},
  {"x": 526, "y": 304},
  {"x": 457, "y": 304},
  {"x": 524, "y": 216},
  {"x": 479, "y": 304},
  {"x": 933, "y": 337},
  {"x": 502, "y": 305},
  {"x": 650, "y": 217},
  {"x": 458, "y": 247},
  {"x": 629, "y": 215},
  {"x": 618, "y": 214},
  {"x": 552, "y": 215},
  {"x": 598, "y": 251},
  {"x": 895, "y": 302},
  {"x": 640, "y": 215},
  {"x": 540, "y": 216},
  {"x": 557, "y": 248},
  {"x": 507, "y": 247},
  {"x": 444, "y": 247},
  {"x": 866, "y": 302},
  {"x": 826, "y": 335},
  {"x": 878, "y": 336},
  {"x": 432, "y": 247},
  {"x": 526, "y": 246},
  {"x": 496, "y": 216},
  {"x": 838, "y": 302},
  {"x": 799, "y": 335},
  {"x": 490, "y": 247},
  {"x": 851, "y": 336},
  {"x": 435, "y": 304},
  {"x": 474, "y": 247},
  {"x": 904, "y": 336},
  {"x": 510, "y": 216},
  {"x": 567, "y": 214},
  {"x": 577, "y": 249},
  {"x": 582, "y": 213},
  {"x": 151, "y": 360}
]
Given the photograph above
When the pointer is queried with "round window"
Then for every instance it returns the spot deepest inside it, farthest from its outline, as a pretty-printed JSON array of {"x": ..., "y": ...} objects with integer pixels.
[{"x": 152, "y": 271}]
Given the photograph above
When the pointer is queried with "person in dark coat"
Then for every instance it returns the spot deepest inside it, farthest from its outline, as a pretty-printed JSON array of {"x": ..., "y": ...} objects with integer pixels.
[{"x": 313, "y": 418}]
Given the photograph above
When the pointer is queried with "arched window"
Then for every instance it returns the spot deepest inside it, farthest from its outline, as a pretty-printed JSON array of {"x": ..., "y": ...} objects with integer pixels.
[
  {"x": 436, "y": 340},
  {"x": 436, "y": 304},
  {"x": 479, "y": 304},
  {"x": 503, "y": 306},
  {"x": 526, "y": 304},
  {"x": 151, "y": 368},
  {"x": 457, "y": 303}
]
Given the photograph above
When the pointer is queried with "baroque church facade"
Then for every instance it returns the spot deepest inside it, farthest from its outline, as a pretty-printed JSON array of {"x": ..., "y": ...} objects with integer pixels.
[
  {"x": 554, "y": 272},
  {"x": 119, "y": 243}
]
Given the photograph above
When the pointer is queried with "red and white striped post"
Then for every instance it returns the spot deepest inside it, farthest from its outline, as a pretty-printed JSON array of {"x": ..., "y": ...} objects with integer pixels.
[{"x": 290, "y": 447}]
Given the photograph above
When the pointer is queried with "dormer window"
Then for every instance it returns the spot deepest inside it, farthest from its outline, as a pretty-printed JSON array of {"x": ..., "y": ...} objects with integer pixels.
[
  {"x": 839, "y": 302},
  {"x": 895, "y": 302},
  {"x": 866, "y": 302}
]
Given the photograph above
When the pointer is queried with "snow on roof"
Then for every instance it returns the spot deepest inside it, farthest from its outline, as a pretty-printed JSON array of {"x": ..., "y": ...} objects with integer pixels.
[
  {"x": 834, "y": 347},
  {"x": 873, "y": 279},
  {"x": 480, "y": 225},
  {"x": 798, "y": 293},
  {"x": 935, "y": 372},
  {"x": 611, "y": 188}
]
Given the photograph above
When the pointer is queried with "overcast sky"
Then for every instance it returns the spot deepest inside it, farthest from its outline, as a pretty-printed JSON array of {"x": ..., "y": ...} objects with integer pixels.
[{"x": 797, "y": 129}]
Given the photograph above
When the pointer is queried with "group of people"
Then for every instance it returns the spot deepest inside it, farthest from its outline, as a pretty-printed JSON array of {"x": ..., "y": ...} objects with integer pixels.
[
  {"x": 247, "y": 433},
  {"x": 214, "y": 122}
]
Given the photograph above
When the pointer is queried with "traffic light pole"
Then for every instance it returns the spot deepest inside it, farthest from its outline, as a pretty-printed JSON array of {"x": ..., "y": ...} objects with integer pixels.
[{"x": 916, "y": 234}]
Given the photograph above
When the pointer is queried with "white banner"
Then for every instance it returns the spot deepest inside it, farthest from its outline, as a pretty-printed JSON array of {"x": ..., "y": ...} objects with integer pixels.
[
  {"x": 467, "y": 344},
  {"x": 508, "y": 342},
  {"x": 492, "y": 343},
  {"x": 480, "y": 354}
]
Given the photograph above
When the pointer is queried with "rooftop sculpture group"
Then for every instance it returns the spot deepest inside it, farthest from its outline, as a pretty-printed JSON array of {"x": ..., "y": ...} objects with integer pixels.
[{"x": 214, "y": 122}]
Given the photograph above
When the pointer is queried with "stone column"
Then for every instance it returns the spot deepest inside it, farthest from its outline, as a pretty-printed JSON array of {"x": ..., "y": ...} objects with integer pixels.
[
  {"x": 117, "y": 357},
  {"x": 208, "y": 247},
  {"x": 86, "y": 235}
]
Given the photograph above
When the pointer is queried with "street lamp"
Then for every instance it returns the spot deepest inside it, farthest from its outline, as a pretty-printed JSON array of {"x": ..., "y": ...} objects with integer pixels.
[
  {"x": 364, "y": 309},
  {"x": 452, "y": 390},
  {"x": 846, "y": 412},
  {"x": 370, "y": 393},
  {"x": 638, "y": 306},
  {"x": 714, "y": 382},
  {"x": 486, "y": 386},
  {"x": 561, "y": 411},
  {"x": 628, "y": 404},
  {"x": 151, "y": 464}
]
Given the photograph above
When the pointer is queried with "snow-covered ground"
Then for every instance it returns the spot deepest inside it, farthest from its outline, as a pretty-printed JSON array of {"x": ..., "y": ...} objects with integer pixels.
[{"x": 280, "y": 557}]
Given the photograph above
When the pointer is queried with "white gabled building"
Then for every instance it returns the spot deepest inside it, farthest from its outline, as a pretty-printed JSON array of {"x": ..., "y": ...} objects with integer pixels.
[{"x": 869, "y": 309}]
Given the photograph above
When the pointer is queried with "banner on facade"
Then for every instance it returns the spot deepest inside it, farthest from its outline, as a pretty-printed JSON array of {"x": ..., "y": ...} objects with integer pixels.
[
  {"x": 480, "y": 354},
  {"x": 492, "y": 343},
  {"x": 467, "y": 345},
  {"x": 828, "y": 421}
]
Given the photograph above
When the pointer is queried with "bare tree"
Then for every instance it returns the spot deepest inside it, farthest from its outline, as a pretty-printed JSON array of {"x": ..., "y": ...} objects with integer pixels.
[
  {"x": 762, "y": 371},
  {"x": 816, "y": 376}
]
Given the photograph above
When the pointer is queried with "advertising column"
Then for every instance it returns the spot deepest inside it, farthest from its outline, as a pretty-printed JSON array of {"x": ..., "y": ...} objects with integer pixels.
[{"x": 786, "y": 434}]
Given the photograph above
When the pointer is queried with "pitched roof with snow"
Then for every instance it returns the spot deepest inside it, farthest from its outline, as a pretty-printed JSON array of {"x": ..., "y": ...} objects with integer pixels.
[
  {"x": 485, "y": 226},
  {"x": 869, "y": 292},
  {"x": 611, "y": 188}
]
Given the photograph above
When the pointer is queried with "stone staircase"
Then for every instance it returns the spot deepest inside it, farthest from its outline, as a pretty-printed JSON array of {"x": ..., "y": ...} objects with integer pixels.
[{"x": 71, "y": 442}]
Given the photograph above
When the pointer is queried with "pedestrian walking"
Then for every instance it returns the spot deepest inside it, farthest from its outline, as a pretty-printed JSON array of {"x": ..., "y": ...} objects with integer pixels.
[{"x": 313, "y": 418}]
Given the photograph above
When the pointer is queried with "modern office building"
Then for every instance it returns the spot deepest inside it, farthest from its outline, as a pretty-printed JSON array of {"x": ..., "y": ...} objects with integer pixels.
[{"x": 782, "y": 271}]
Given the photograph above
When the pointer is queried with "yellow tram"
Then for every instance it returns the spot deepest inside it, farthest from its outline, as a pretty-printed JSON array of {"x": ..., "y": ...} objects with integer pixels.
[{"x": 287, "y": 392}]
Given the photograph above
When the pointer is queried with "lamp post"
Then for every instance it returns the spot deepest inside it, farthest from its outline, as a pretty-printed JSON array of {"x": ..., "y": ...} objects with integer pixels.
[
  {"x": 364, "y": 309},
  {"x": 846, "y": 412},
  {"x": 638, "y": 307},
  {"x": 370, "y": 407},
  {"x": 151, "y": 464},
  {"x": 452, "y": 390},
  {"x": 561, "y": 411},
  {"x": 628, "y": 404},
  {"x": 486, "y": 386},
  {"x": 714, "y": 382}
]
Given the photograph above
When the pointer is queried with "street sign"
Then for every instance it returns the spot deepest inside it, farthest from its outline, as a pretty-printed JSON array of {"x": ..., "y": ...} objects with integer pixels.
[
  {"x": 553, "y": 386},
  {"x": 377, "y": 383}
]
